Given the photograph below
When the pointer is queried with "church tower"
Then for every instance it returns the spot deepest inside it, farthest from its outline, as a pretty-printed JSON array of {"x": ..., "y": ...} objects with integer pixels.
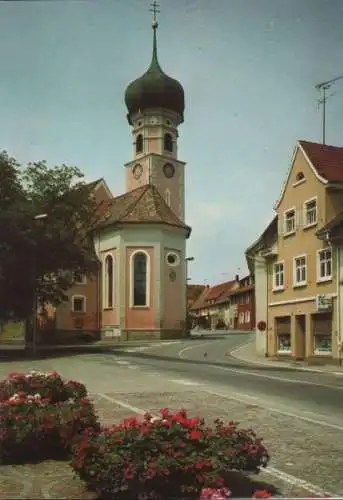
[{"x": 155, "y": 104}]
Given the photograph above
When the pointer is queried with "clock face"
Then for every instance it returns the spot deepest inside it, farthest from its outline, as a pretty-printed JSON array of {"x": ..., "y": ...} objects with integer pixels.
[
  {"x": 137, "y": 171},
  {"x": 169, "y": 170}
]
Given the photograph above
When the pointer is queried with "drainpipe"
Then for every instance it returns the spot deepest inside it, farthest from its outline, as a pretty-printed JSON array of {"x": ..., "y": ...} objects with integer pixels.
[
  {"x": 338, "y": 303},
  {"x": 266, "y": 339}
]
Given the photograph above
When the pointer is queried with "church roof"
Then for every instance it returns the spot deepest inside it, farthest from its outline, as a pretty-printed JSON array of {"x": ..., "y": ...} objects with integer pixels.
[{"x": 142, "y": 205}]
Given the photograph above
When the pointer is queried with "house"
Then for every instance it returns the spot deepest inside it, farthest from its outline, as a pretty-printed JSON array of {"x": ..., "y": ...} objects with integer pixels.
[
  {"x": 229, "y": 305},
  {"x": 297, "y": 260}
]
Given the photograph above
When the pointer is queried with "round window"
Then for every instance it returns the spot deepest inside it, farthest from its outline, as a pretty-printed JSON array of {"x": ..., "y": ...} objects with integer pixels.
[{"x": 173, "y": 259}]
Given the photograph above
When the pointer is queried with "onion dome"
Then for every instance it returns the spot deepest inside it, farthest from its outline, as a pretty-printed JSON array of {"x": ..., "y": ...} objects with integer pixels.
[{"x": 155, "y": 89}]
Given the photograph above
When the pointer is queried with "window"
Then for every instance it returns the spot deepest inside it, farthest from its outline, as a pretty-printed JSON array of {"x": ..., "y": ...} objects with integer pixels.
[
  {"x": 284, "y": 344},
  {"x": 299, "y": 271},
  {"x": 140, "y": 281},
  {"x": 139, "y": 143},
  {"x": 279, "y": 276},
  {"x": 289, "y": 221},
  {"x": 299, "y": 177},
  {"x": 167, "y": 197},
  {"x": 324, "y": 265},
  {"x": 168, "y": 142},
  {"x": 283, "y": 335},
  {"x": 80, "y": 278},
  {"x": 108, "y": 282},
  {"x": 310, "y": 212},
  {"x": 322, "y": 333},
  {"x": 247, "y": 316},
  {"x": 78, "y": 303},
  {"x": 173, "y": 259}
]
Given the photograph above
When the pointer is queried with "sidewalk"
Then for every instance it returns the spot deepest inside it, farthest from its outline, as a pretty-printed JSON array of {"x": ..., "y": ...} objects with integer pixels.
[{"x": 247, "y": 353}]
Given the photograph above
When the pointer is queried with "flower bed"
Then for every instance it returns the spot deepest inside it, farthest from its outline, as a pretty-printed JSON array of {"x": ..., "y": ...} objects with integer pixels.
[
  {"x": 173, "y": 456},
  {"x": 41, "y": 415}
]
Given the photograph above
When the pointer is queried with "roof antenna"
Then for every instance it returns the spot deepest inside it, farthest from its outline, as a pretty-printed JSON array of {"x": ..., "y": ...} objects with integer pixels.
[{"x": 324, "y": 87}]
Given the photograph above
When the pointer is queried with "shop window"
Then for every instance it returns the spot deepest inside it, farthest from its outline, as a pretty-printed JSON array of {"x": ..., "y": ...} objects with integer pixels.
[
  {"x": 322, "y": 334},
  {"x": 283, "y": 335}
]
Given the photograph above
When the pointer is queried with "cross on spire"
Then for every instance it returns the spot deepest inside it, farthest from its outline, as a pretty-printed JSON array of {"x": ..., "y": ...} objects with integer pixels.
[{"x": 155, "y": 10}]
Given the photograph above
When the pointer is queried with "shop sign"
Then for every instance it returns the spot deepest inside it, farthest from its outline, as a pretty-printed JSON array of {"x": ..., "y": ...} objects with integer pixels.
[{"x": 324, "y": 303}]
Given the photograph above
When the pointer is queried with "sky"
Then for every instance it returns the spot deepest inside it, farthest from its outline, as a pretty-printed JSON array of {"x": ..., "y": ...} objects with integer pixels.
[{"x": 248, "y": 68}]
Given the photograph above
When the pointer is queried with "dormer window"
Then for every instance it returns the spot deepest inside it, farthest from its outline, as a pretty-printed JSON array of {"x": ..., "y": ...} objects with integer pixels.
[
  {"x": 139, "y": 143},
  {"x": 168, "y": 143},
  {"x": 300, "y": 176}
]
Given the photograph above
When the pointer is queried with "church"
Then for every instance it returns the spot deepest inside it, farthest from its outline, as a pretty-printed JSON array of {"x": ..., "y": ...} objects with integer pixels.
[{"x": 140, "y": 239}]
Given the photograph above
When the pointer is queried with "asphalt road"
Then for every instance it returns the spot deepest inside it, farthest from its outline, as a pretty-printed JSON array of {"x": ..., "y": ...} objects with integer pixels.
[{"x": 299, "y": 414}]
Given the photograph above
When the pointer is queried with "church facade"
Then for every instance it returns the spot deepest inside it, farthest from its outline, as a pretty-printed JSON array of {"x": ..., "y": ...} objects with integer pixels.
[{"x": 140, "y": 239}]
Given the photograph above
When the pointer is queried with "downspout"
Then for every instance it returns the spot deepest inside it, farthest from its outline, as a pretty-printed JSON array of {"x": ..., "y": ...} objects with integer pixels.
[
  {"x": 266, "y": 339},
  {"x": 338, "y": 302}
]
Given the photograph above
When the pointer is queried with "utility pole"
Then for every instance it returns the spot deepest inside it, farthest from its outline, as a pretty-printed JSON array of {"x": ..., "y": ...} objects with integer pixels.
[{"x": 324, "y": 87}]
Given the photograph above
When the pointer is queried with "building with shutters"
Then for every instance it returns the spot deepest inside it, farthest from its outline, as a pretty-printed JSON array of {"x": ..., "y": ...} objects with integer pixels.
[{"x": 297, "y": 261}]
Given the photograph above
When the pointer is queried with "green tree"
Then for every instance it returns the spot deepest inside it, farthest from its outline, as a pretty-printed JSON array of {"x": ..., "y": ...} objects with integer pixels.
[{"x": 39, "y": 255}]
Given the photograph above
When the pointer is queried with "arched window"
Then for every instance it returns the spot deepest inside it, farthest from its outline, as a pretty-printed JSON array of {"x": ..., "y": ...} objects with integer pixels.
[
  {"x": 108, "y": 282},
  {"x": 140, "y": 279},
  {"x": 167, "y": 197},
  {"x": 168, "y": 142},
  {"x": 139, "y": 143}
]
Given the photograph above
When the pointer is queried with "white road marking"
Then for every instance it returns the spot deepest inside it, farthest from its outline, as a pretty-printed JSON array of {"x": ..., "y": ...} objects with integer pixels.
[
  {"x": 260, "y": 375},
  {"x": 244, "y": 398},
  {"x": 294, "y": 481},
  {"x": 133, "y": 367},
  {"x": 272, "y": 471},
  {"x": 122, "y": 362},
  {"x": 183, "y": 382}
]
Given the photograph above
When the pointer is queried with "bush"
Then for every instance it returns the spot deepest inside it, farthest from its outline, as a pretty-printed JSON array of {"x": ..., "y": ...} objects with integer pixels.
[
  {"x": 48, "y": 385},
  {"x": 174, "y": 454},
  {"x": 41, "y": 416}
]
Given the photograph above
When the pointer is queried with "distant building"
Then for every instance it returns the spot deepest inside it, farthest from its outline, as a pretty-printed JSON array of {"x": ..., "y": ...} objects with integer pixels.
[{"x": 229, "y": 305}]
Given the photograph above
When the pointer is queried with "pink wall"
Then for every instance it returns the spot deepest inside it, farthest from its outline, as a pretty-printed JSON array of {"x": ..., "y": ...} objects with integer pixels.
[
  {"x": 174, "y": 297},
  {"x": 140, "y": 317}
]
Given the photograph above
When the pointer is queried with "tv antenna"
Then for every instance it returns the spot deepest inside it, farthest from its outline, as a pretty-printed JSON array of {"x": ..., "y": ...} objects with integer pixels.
[{"x": 324, "y": 87}]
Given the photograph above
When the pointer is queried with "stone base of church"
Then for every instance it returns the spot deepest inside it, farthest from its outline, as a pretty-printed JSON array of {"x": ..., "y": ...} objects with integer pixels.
[{"x": 161, "y": 334}]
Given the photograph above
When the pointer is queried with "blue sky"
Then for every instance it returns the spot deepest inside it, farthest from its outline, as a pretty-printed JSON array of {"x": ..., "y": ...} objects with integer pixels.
[{"x": 248, "y": 68}]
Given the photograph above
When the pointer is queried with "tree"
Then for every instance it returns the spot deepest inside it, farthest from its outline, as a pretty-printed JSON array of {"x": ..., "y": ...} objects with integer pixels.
[{"x": 39, "y": 255}]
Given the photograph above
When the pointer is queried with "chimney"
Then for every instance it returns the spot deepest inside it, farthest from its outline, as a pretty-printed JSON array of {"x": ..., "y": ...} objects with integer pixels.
[{"x": 237, "y": 278}]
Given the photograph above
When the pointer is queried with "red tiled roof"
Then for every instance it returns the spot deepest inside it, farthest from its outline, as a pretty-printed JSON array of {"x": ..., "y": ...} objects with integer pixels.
[
  {"x": 141, "y": 205},
  {"x": 327, "y": 160},
  {"x": 216, "y": 291},
  {"x": 201, "y": 300}
]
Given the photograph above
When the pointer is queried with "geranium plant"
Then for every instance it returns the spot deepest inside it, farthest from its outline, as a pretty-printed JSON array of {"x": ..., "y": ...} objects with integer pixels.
[
  {"x": 44, "y": 423},
  {"x": 173, "y": 456}
]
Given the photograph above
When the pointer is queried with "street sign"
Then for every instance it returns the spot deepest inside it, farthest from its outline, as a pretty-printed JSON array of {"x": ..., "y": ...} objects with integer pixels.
[{"x": 324, "y": 303}]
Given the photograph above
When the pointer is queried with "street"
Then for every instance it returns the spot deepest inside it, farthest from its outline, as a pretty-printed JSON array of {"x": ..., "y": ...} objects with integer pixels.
[{"x": 299, "y": 414}]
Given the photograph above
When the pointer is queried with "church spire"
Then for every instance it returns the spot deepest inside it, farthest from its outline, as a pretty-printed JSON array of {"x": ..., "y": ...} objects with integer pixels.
[{"x": 154, "y": 65}]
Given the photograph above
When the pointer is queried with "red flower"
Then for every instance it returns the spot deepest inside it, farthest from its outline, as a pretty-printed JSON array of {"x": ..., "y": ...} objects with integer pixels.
[
  {"x": 129, "y": 474},
  {"x": 195, "y": 435},
  {"x": 262, "y": 494}
]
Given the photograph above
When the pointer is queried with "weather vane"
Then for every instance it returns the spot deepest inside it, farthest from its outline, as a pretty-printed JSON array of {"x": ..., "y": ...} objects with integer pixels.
[{"x": 155, "y": 10}]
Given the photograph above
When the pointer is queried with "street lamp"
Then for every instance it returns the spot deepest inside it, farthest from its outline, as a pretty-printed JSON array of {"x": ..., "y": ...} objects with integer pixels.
[{"x": 34, "y": 304}]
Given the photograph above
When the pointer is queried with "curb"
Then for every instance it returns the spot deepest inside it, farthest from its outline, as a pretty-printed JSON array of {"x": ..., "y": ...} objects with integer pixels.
[{"x": 288, "y": 366}]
